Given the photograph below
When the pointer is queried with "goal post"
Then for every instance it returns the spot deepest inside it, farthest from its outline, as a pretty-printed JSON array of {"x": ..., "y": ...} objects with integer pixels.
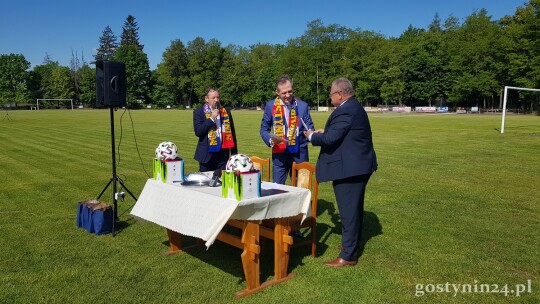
[
  {"x": 52, "y": 99},
  {"x": 506, "y": 88}
]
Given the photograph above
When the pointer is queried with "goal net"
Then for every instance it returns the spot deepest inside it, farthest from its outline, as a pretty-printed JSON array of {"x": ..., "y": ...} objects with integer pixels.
[
  {"x": 506, "y": 88},
  {"x": 54, "y": 103}
]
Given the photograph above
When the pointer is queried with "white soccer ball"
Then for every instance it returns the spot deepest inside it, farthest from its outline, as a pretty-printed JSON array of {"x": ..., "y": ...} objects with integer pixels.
[
  {"x": 166, "y": 151},
  {"x": 239, "y": 163}
]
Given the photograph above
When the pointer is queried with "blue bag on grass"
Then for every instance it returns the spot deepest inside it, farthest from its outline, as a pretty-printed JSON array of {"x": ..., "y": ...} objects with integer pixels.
[
  {"x": 87, "y": 223},
  {"x": 102, "y": 220},
  {"x": 80, "y": 207},
  {"x": 95, "y": 217}
]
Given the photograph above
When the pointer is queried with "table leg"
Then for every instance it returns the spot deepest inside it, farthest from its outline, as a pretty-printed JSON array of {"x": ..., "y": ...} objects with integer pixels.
[
  {"x": 282, "y": 244},
  {"x": 250, "y": 255},
  {"x": 175, "y": 242}
]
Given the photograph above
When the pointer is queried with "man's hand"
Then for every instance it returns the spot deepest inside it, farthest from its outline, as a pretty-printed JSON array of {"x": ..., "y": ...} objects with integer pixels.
[
  {"x": 214, "y": 114},
  {"x": 307, "y": 133},
  {"x": 274, "y": 140}
]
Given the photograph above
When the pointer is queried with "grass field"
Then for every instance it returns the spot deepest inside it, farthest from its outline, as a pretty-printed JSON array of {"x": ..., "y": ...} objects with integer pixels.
[{"x": 453, "y": 201}]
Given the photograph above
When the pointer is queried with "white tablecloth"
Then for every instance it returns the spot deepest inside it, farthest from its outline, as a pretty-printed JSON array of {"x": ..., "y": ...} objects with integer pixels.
[{"x": 201, "y": 211}]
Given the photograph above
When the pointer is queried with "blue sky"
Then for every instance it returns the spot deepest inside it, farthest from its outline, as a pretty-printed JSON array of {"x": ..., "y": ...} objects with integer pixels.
[{"x": 58, "y": 27}]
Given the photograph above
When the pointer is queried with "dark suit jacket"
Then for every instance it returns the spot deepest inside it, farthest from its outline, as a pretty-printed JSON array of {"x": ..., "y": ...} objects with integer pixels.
[
  {"x": 202, "y": 126},
  {"x": 346, "y": 144},
  {"x": 303, "y": 112}
]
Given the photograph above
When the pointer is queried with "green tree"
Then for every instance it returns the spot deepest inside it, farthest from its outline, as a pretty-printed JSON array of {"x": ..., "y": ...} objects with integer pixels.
[
  {"x": 137, "y": 72},
  {"x": 235, "y": 75},
  {"x": 451, "y": 24},
  {"x": 214, "y": 60},
  {"x": 366, "y": 56},
  {"x": 435, "y": 26},
  {"x": 41, "y": 78},
  {"x": 411, "y": 33},
  {"x": 425, "y": 66},
  {"x": 160, "y": 95},
  {"x": 131, "y": 54},
  {"x": 522, "y": 49},
  {"x": 316, "y": 57},
  {"x": 87, "y": 88},
  {"x": 477, "y": 60},
  {"x": 60, "y": 85},
  {"x": 200, "y": 75},
  {"x": 107, "y": 45},
  {"x": 204, "y": 64},
  {"x": 393, "y": 86},
  {"x": 13, "y": 78},
  {"x": 300, "y": 62},
  {"x": 130, "y": 33},
  {"x": 261, "y": 64},
  {"x": 172, "y": 74}
]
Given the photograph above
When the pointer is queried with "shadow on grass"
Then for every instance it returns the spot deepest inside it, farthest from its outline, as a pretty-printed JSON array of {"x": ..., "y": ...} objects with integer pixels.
[
  {"x": 120, "y": 225},
  {"x": 227, "y": 258},
  {"x": 124, "y": 220},
  {"x": 224, "y": 257},
  {"x": 371, "y": 226}
]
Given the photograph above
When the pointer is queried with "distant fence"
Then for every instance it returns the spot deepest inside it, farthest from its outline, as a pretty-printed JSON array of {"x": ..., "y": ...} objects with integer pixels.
[
  {"x": 16, "y": 105},
  {"x": 385, "y": 109}
]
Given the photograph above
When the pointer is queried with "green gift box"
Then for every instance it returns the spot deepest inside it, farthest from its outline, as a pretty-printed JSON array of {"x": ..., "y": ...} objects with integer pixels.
[
  {"x": 169, "y": 171},
  {"x": 241, "y": 185}
]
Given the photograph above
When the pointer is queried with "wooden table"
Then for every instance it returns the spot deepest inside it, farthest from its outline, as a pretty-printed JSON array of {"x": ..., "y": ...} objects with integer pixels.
[{"x": 171, "y": 206}]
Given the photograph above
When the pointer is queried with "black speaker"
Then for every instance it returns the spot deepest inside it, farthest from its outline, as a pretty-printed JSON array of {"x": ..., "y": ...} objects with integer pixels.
[{"x": 110, "y": 83}]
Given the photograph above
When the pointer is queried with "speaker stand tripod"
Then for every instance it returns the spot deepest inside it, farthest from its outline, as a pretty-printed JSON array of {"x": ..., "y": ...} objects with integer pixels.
[
  {"x": 114, "y": 179},
  {"x": 6, "y": 116}
]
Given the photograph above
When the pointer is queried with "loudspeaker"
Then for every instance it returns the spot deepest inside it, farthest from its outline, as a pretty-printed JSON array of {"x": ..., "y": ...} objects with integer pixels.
[{"x": 110, "y": 83}]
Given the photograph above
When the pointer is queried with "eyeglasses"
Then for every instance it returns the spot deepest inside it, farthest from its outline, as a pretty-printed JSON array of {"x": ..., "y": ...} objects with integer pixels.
[{"x": 330, "y": 95}]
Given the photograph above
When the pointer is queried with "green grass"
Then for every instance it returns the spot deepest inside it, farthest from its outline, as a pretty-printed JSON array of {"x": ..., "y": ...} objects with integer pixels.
[{"x": 453, "y": 201}]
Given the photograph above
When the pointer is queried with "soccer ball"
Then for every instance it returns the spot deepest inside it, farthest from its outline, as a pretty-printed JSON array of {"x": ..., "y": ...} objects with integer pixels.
[
  {"x": 240, "y": 163},
  {"x": 166, "y": 151}
]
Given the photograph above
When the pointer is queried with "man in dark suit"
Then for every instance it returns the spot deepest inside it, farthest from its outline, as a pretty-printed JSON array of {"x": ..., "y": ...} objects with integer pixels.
[
  {"x": 214, "y": 127},
  {"x": 282, "y": 127},
  {"x": 347, "y": 158}
]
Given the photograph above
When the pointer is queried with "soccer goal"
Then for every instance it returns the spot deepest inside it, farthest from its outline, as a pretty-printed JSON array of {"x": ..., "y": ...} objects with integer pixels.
[
  {"x": 506, "y": 88},
  {"x": 54, "y": 103}
]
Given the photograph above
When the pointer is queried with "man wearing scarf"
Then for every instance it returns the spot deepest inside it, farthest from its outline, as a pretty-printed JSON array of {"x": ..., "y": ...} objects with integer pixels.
[
  {"x": 282, "y": 129},
  {"x": 214, "y": 127}
]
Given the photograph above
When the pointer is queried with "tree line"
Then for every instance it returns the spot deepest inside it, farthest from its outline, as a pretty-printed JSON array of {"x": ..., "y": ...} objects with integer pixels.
[{"x": 448, "y": 63}]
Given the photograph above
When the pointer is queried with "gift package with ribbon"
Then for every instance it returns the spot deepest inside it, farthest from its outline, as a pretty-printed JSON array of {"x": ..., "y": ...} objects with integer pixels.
[
  {"x": 241, "y": 185},
  {"x": 169, "y": 170}
]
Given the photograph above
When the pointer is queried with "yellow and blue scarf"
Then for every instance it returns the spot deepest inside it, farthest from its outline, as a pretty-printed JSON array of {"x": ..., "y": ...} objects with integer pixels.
[
  {"x": 223, "y": 139},
  {"x": 279, "y": 122}
]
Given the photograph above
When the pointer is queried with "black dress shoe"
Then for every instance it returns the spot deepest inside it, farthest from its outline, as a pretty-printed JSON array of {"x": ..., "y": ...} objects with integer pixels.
[{"x": 339, "y": 262}]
